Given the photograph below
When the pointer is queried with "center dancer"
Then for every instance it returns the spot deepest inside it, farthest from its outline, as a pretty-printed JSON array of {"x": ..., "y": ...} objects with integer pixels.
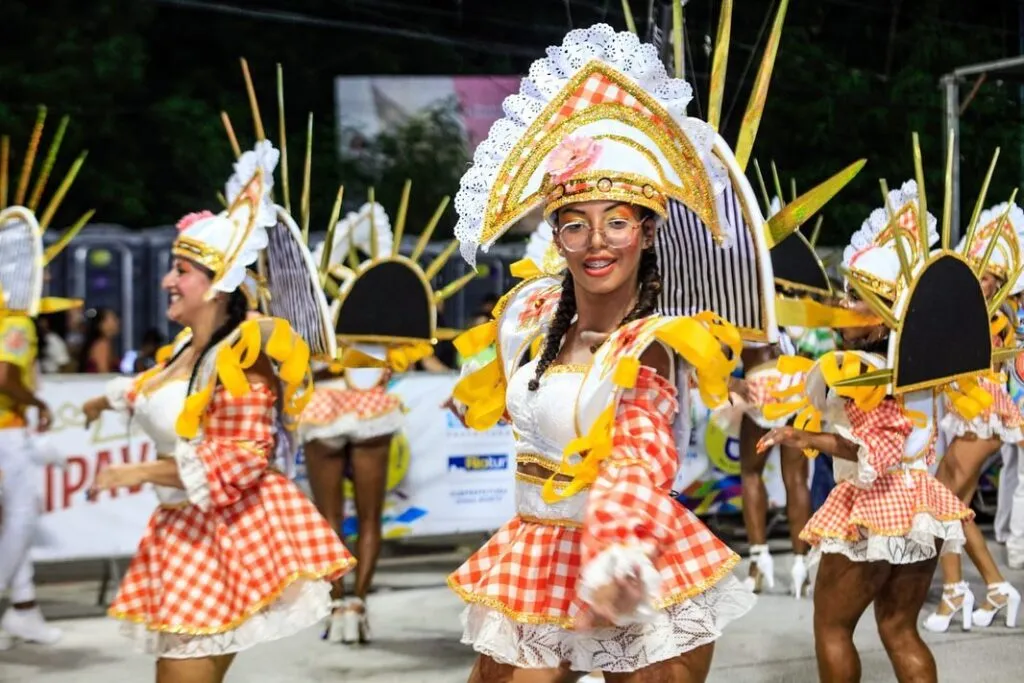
[{"x": 601, "y": 569}]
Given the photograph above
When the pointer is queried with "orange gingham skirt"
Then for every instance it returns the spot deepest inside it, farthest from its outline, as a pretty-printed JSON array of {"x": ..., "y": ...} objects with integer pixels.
[
  {"x": 523, "y": 604},
  {"x": 897, "y": 520},
  {"x": 198, "y": 577},
  {"x": 338, "y": 415},
  {"x": 1003, "y": 418}
]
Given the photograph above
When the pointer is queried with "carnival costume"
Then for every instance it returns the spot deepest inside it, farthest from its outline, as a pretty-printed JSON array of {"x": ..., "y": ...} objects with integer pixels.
[
  {"x": 239, "y": 556},
  {"x": 599, "y": 119},
  {"x": 1000, "y": 236},
  {"x": 23, "y": 261},
  {"x": 887, "y": 506}
]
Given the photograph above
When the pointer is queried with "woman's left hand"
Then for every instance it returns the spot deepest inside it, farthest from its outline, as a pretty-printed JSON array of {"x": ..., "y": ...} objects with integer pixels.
[
  {"x": 113, "y": 477},
  {"x": 619, "y": 598},
  {"x": 785, "y": 436}
]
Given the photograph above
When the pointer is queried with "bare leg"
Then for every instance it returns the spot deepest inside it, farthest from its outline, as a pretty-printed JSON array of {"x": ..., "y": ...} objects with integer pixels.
[
  {"x": 326, "y": 468},
  {"x": 755, "y": 496},
  {"x": 370, "y": 478},
  {"x": 896, "y": 609},
  {"x": 486, "y": 670},
  {"x": 200, "y": 670},
  {"x": 798, "y": 495},
  {"x": 842, "y": 591},
  {"x": 690, "y": 667}
]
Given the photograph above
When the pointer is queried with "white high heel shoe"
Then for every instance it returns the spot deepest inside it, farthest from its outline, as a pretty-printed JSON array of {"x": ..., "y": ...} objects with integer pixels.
[
  {"x": 984, "y": 617},
  {"x": 336, "y": 622},
  {"x": 939, "y": 623},
  {"x": 764, "y": 569},
  {"x": 798, "y": 574},
  {"x": 356, "y": 624}
]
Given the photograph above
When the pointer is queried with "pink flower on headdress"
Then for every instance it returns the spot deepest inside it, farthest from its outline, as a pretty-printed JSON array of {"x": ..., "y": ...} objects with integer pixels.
[
  {"x": 573, "y": 154},
  {"x": 190, "y": 218}
]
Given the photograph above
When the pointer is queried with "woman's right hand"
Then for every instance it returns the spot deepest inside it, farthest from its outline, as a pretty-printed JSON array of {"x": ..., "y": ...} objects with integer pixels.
[
  {"x": 93, "y": 408},
  {"x": 454, "y": 410}
]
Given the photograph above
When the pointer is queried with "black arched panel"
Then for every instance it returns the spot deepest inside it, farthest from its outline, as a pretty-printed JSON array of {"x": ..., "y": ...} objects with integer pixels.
[
  {"x": 796, "y": 266},
  {"x": 945, "y": 327},
  {"x": 389, "y": 300}
]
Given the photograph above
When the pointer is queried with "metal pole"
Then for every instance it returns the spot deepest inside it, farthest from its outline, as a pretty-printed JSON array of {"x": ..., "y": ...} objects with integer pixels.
[{"x": 951, "y": 114}]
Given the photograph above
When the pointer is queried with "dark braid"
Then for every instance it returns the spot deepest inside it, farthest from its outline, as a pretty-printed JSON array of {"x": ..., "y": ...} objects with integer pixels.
[
  {"x": 649, "y": 278},
  {"x": 238, "y": 309},
  {"x": 563, "y": 318}
]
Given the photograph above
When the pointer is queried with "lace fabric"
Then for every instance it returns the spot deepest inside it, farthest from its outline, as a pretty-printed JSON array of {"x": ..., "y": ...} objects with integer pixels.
[
  {"x": 674, "y": 631},
  {"x": 927, "y": 538},
  {"x": 302, "y": 605}
]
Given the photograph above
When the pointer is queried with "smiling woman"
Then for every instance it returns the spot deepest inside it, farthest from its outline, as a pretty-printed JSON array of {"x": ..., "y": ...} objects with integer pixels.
[{"x": 601, "y": 569}]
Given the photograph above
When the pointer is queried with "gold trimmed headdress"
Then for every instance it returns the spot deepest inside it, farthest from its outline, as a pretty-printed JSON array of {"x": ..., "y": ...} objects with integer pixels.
[
  {"x": 286, "y": 276},
  {"x": 599, "y": 118},
  {"x": 1006, "y": 256},
  {"x": 22, "y": 257},
  {"x": 381, "y": 297},
  {"x": 925, "y": 295}
]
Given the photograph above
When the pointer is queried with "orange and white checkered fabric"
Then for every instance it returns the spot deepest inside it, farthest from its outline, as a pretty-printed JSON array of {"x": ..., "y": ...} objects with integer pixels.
[
  {"x": 529, "y": 570},
  {"x": 1003, "y": 407},
  {"x": 203, "y": 572},
  {"x": 889, "y": 506},
  {"x": 328, "y": 405}
]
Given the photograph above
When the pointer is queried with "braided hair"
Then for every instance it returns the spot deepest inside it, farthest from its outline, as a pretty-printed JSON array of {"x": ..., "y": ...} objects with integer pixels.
[
  {"x": 238, "y": 309},
  {"x": 649, "y": 280}
]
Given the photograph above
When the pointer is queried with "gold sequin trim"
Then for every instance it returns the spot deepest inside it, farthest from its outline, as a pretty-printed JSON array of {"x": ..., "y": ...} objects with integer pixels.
[
  {"x": 199, "y": 252},
  {"x": 567, "y": 369},
  {"x": 548, "y": 521},
  {"x": 303, "y": 575}
]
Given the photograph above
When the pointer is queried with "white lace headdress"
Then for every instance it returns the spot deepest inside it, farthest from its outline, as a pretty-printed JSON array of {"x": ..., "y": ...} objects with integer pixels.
[{"x": 1006, "y": 255}]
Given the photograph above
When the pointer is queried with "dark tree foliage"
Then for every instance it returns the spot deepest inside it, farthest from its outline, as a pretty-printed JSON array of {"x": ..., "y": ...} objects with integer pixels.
[{"x": 146, "y": 81}]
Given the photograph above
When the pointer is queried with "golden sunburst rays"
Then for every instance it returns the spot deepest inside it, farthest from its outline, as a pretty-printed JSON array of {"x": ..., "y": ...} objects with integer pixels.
[
  {"x": 720, "y": 65},
  {"x": 32, "y": 200},
  {"x": 795, "y": 213},
  {"x": 980, "y": 203},
  {"x": 759, "y": 94}
]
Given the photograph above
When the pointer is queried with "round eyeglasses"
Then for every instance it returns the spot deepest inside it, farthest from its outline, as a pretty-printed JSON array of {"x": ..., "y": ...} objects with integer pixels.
[{"x": 617, "y": 233}]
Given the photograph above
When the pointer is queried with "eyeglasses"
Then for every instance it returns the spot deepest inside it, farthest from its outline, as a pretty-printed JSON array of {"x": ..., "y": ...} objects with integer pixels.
[{"x": 617, "y": 233}]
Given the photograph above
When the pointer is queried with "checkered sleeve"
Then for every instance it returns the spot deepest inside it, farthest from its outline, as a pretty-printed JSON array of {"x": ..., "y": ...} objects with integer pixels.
[
  {"x": 880, "y": 435},
  {"x": 234, "y": 451},
  {"x": 630, "y": 513}
]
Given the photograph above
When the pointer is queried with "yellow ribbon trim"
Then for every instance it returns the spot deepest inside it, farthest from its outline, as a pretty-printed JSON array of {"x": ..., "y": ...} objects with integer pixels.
[
  {"x": 810, "y": 313},
  {"x": 707, "y": 342},
  {"x": 969, "y": 399},
  {"x": 284, "y": 346},
  {"x": 525, "y": 269}
]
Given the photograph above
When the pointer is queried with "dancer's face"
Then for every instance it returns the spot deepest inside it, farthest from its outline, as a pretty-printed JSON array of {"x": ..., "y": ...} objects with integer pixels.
[
  {"x": 601, "y": 242},
  {"x": 187, "y": 285},
  {"x": 860, "y": 337},
  {"x": 990, "y": 284}
]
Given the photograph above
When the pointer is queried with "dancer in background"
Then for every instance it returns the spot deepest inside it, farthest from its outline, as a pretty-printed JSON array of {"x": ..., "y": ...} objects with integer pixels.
[
  {"x": 972, "y": 442},
  {"x": 602, "y": 569},
  {"x": 23, "y": 262},
  {"x": 882, "y": 528},
  {"x": 348, "y": 426},
  {"x": 221, "y": 412}
]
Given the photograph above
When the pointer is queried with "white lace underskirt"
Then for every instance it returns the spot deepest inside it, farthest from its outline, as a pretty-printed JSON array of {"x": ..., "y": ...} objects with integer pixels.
[
  {"x": 676, "y": 630},
  {"x": 984, "y": 427},
  {"x": 351, "y": 428},
  {"x": 917, "y": 546},
  {"x": 303, "y": 604}
]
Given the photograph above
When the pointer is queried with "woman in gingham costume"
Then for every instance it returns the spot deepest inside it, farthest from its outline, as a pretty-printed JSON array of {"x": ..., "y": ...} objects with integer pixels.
[
  {"x": 601, "y": 569},
  {"x": 235, "y": 555},
  {"x": 348, "y": 426},
  {"x": 972, "y": 442},
  {"x": 882, "y": 528}
]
